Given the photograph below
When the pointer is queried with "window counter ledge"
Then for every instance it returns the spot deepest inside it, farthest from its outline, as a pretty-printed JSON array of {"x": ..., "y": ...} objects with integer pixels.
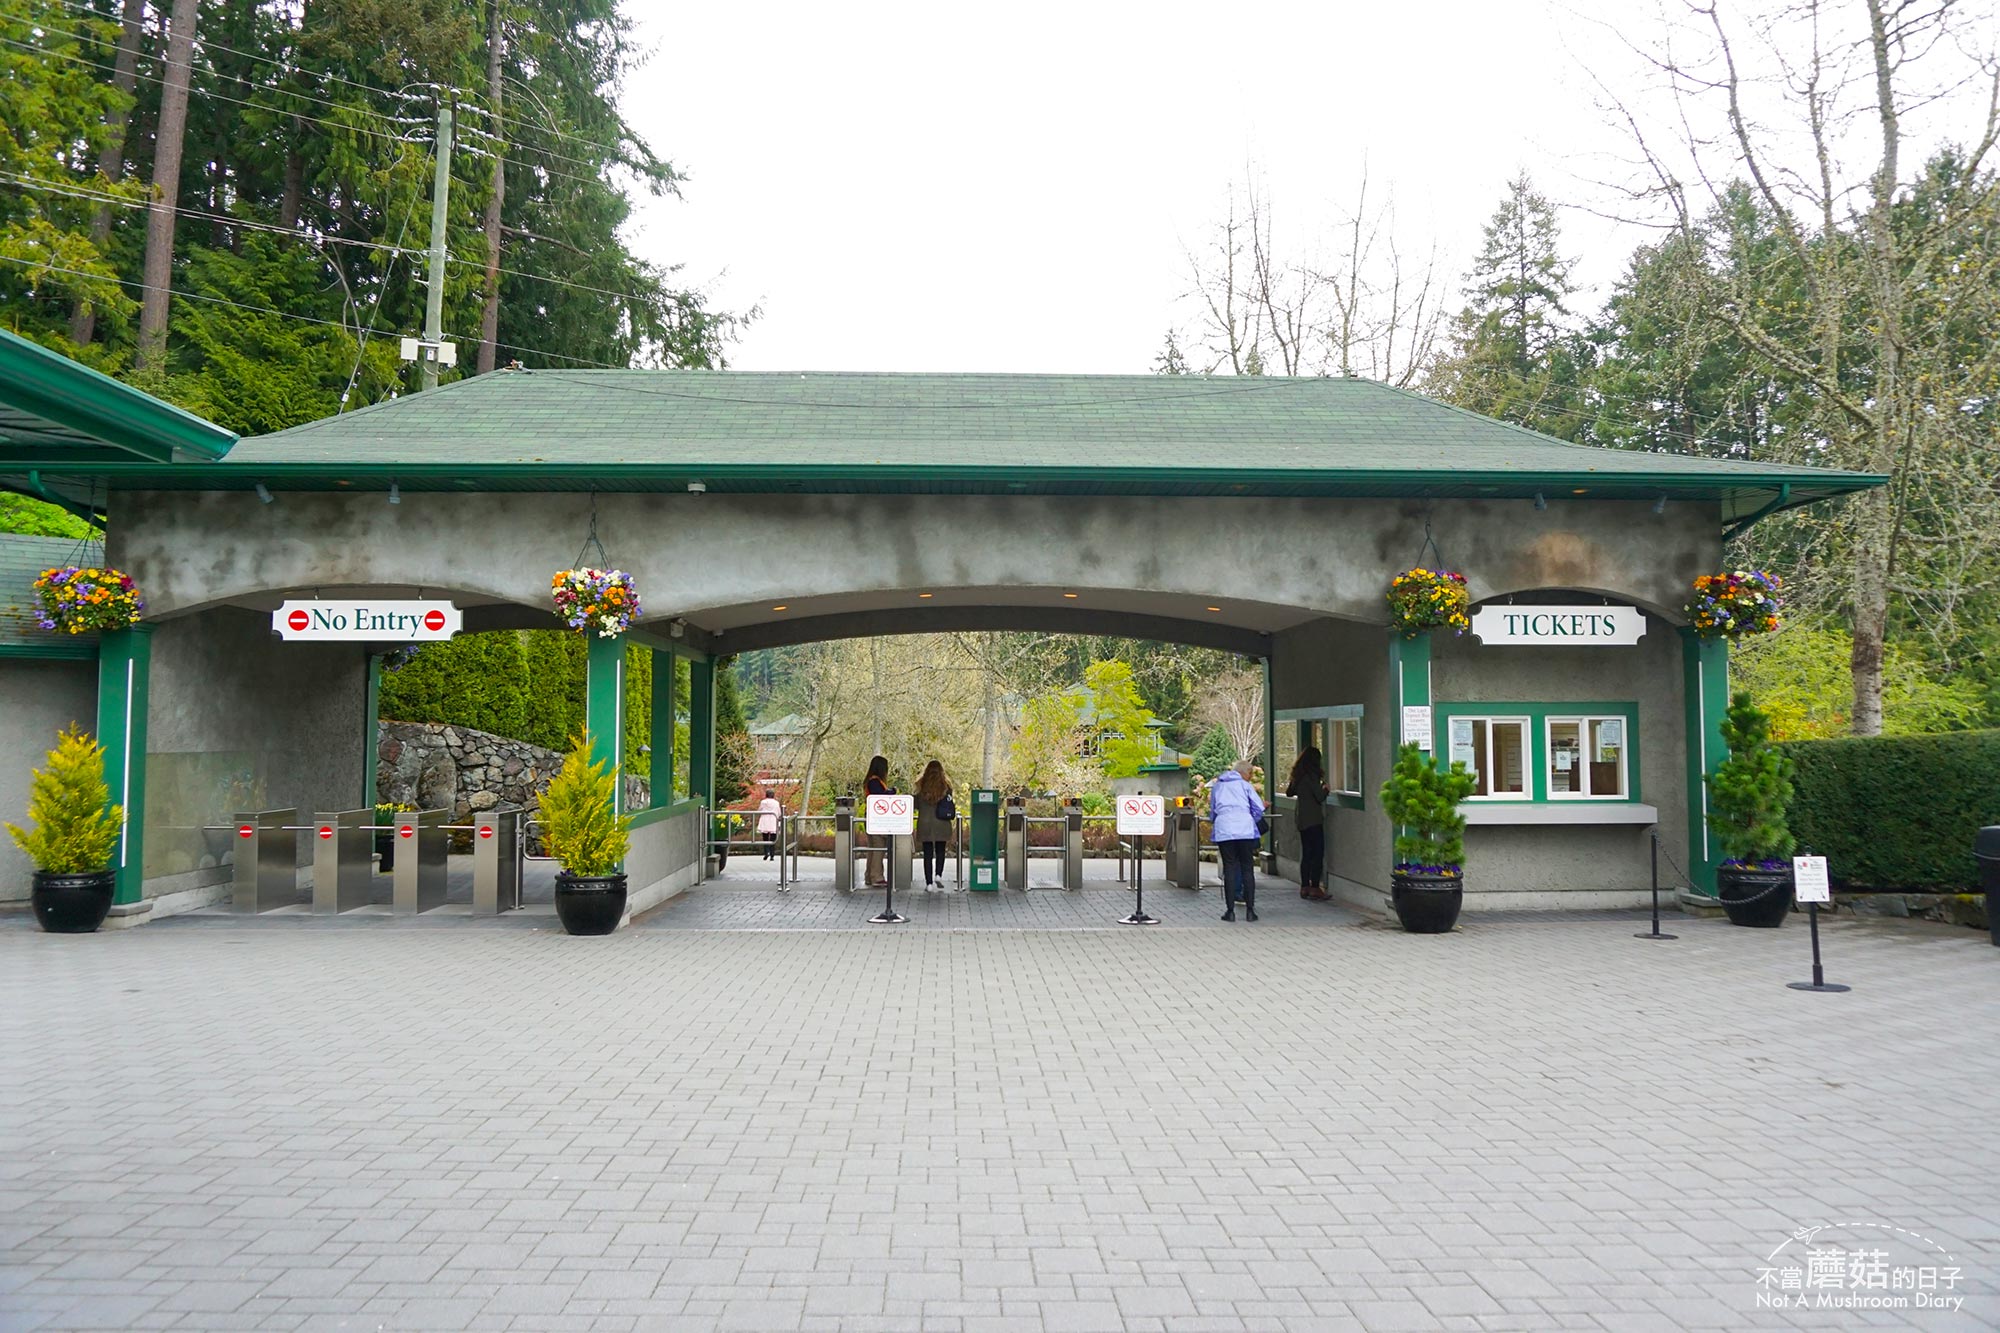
[{"x": 1559, "y": 812}]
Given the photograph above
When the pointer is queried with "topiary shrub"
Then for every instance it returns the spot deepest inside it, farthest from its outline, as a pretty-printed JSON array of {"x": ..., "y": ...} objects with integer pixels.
[
  {"x": 1749, "y": 794},
  {"x": 1897, "y": 812},
  {"x": 1421, "y": 800},
  {"x": 75, "y": 825},
  {"x": 581, "y": 828}
]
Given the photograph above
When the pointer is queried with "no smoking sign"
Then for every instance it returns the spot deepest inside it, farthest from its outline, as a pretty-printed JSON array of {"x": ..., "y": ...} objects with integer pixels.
[
  {"x": 1142, "y": 816},
  {"x": 892, "y": 815}
]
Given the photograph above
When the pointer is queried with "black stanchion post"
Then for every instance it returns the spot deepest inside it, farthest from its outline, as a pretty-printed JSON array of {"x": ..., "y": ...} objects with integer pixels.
[
  {"x": 889, "y": 916},
  {"x": 1654, "y": 933},
  {"x": 1817, "y": 891},
  {"x": 1138, "y": 917}
]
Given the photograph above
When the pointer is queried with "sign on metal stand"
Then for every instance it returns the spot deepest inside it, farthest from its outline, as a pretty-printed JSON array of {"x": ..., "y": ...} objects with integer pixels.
[
  {"x": 1140, "y": 817},
  {"x": 893, "y": 816},
  {"x": 1813, "y": 887}
]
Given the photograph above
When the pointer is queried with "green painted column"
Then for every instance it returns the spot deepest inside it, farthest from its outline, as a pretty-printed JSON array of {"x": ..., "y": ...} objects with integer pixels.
[
  {"x": 701, "y": 731},
  {"x": 124, "y": 662},
  {"x": 1409, "y": 681},
  {"x": 1705, "y": 694},
  {"x": 662, "y": 739},
  {"x": 604, "y": 710},
  {"x": 371, "y": 742}
]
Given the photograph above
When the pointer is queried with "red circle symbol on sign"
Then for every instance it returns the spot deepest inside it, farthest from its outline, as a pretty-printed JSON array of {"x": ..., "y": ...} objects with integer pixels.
[
  {"x": 326, "y": 830},
  {"x": 433, "y": 620},
  {"x": 245, "y": 830},
  {"x": 298, "y": 620},
  {"x": 485, "y": 830},
  {"x": 407, "y": 831}
]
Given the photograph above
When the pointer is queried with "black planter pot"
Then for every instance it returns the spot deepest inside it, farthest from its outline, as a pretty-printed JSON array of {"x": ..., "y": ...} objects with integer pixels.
[
  {"x": 1427, "y": 904},
  {"x": 1755, "y": 897},
  {"x": 385, "y": 847},
  {"x": 72, "y": 904},
  {"x": 590, "y": 904}
]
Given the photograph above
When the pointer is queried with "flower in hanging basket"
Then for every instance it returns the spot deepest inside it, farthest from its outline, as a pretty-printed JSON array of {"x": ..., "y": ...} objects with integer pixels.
[
  {"x": 1425, "y": 599},
  {"x": 600, "y": 601},
  {"x": 1736, "y": 603},
  {"x": 77, "y": 600}
]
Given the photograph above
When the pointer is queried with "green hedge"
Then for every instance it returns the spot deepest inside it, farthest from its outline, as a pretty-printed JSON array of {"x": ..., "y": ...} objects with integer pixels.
[{"x": 1897, "y": 812}]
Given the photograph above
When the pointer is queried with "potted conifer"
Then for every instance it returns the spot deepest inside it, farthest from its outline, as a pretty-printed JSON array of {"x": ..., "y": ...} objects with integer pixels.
[
  {"x": 1428, "y": 880},
  {"x": 583, "y": 831},
  {"x": 1748, "y": 797},
  {"x": 74, "y": 836}
]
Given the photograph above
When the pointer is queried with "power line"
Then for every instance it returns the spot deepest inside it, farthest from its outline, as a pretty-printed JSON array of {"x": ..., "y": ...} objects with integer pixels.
[
  {"x": 121, "y": 201},
  {"x": 375, "y": 313}
]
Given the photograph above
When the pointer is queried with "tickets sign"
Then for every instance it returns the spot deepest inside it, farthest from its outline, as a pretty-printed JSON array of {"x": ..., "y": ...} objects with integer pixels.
[
  {"x": 1142, "y": 816},
  {"x": 892, "y": 815},
  {"x": 1568, "y": 626},
  {"x": 357, "y": 619}
]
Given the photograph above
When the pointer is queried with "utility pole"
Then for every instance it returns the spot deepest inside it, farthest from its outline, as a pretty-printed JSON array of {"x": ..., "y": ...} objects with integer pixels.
[{"x": 434, "y": 300}]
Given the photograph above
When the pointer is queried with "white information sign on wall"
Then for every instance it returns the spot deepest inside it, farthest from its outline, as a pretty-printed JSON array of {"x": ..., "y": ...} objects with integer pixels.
[
  {"x": 1810, "y": 881},
  {"x": 1417, "y": 726},
  {"x": 1576, "y": 626},
  {"x": 892, "y": 814},
  {"x": 1142, "y": 816},
  {"x": 334, "y": 618}
]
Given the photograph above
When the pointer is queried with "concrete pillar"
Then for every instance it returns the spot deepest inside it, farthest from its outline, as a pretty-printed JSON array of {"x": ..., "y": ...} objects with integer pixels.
[
  {"x": 1705, "y": 693},
  {"x": 701, "y": 731},
  {"x": 124, "y": 664}
]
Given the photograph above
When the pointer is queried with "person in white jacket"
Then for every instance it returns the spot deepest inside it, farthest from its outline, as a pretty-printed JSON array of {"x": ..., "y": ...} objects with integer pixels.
[{"x": 1235, "y": 810}]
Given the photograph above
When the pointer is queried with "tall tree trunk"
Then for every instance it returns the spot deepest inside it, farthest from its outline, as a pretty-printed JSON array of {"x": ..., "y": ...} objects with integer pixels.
[
  {"x": 489, "y": 317},
  {"x": 989, "y": 709},
  {"x": 111, "y": 157},
  {"x": 293, "y": 190},
  {"x": 159, "y": 271}
]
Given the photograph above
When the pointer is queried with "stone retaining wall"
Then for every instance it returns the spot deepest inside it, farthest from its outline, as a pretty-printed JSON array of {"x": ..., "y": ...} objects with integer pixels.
[{"x": 432, "y": 766}]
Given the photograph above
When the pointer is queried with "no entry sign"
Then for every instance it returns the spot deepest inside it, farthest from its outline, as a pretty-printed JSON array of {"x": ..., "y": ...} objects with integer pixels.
[
  {"x": 1142, "y": 816},
  {"x": 892, "y": 814},
  {"x": 332, "y": 619}
]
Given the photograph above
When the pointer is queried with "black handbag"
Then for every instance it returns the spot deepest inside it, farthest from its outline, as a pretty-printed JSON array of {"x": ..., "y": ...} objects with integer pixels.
[{"x": 947, "y": 809}]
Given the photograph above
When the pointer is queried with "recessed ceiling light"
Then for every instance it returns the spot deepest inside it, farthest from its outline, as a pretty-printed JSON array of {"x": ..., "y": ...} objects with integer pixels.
[
  {"x": 923, "y": 595},
  {"x": 1070, "y": 595},
  {"x": 779, "y": 608},
  {"x": 1215, "y": 608},
  {"x": 1581, "y": 490}
]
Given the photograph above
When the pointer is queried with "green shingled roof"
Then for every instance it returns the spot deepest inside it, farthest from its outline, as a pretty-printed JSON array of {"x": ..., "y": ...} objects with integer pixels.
[{"x": 1041, "y": 434}]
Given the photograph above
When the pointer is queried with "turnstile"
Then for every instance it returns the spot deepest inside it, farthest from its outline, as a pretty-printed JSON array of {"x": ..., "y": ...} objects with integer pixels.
[
  {"x": 496, "y": 861},
  {"x": 1184, "y": 847},
  {"x": 984, "y": 831},
  {"x": 1072, "y": 858},
  {"x": 843, "y": 844},
  {"x": 902, "y": 862},
  {"x": 420, "y": 861},
  {"x": 1016, "y": 831},
  {"x": 342, "y": 873},
  {"x": 267, "y": 861}
]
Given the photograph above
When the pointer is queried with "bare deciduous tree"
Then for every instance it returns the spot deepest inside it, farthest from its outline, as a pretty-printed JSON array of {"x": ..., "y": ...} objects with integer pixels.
[{"x": 1234, "y": 701}]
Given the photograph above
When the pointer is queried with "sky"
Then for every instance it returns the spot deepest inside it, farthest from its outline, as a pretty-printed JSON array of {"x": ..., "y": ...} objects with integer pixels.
[{"x": 1016, "y": 188}]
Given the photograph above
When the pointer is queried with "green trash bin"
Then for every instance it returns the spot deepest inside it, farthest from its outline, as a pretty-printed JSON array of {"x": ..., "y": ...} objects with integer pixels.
[{"x": 984, "y": 839}]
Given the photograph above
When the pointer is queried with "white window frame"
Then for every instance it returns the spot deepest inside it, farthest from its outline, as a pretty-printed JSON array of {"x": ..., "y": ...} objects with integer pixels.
[
  {"x": 1340, "y": 726},
  {"x": 1583, "y": 722},
  {"x": 1527, "y": 725}
]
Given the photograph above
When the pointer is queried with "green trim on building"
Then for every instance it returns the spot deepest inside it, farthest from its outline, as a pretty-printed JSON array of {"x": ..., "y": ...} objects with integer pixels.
[
  {"x": 124, "y": 667},
  {"x": 660, "y": 812},
  {"x": 1410, "y": 681},
  {"x": 56, "y": 413},
  {"x": 701, "y": 732},
  {"x": 1536, "y": 759},
  {"x": 69, "y": 648},
  {"x": 1705, "y": 697},
  {"x": 662, "y": 738}
]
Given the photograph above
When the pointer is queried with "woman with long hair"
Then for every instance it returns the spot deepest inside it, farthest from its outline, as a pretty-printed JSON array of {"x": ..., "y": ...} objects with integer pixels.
[
  {"x": 876, "y": 784},
  {"x": 1308, "y": 788},
  {"x": 936, "y": 817}
]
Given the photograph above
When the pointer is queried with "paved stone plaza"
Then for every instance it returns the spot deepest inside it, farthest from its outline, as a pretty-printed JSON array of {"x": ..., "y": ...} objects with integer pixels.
[{"x": 734, "y": 1117}]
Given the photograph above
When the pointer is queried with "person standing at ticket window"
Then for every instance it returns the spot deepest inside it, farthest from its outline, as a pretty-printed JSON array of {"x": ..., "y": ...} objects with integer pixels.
[
  {"x": 1308, "y": 787},
  {"x": 1236, "y": 814},
  {"x": 875, "y": 784}
]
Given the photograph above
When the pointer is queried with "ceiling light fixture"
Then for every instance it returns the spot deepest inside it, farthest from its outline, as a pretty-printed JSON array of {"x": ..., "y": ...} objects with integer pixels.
[
  {"x": 264, "y": 492},
  {"x": 395, "y": 493},
  {"x": 1540, "y": 502},
  {"x": 924, "y": 596},
  {"x": 1660, "y": 505},
  {"x": 1070, "y": 595},
  {"x": 697, "y": 488},
  {"x": 1215, "y": 608},
  {"x": 781, "y": 607}
]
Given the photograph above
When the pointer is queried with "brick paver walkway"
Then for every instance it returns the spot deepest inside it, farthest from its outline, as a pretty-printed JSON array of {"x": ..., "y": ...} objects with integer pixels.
[{"x": 1316, "y": 1122}]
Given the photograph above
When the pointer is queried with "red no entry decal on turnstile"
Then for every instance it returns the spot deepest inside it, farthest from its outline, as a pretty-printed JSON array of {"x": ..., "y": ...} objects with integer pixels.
[
  {"x": 485, "y": 830},
  {"x": 407, "y": 831},
  {"x": 326, "y": 830},
  {"x": 245, "y": 830},
  {"x": 298, "y": 620}
]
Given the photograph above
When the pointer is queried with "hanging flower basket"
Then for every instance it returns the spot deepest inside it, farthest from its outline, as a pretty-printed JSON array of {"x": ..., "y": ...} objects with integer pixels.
[
  {"x": 596, "y": 601},
  {"x": 1426, "y": 599},
  {"x": 78, "y": 600},
  {"x": 1734, "y": 604}
]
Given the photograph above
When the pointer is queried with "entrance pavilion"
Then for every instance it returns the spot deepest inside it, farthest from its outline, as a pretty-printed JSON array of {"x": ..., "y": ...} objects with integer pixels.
[{"x": 1261, "y": 516}]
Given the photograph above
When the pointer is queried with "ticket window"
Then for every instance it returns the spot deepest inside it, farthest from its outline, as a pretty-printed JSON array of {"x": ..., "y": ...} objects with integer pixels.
[
  {"x": 1495, "y": 751},
  {"x": 1587, "y": 757}
]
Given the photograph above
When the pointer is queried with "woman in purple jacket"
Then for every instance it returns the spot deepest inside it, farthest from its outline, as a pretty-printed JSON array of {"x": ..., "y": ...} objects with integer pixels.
[{"x": 1235, "y": 810}]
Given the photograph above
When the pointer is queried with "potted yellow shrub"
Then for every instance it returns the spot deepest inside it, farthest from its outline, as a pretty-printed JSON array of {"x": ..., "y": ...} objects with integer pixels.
[
  {"x": 583, "y": 831},
  {"x": 74, "y": 836}
]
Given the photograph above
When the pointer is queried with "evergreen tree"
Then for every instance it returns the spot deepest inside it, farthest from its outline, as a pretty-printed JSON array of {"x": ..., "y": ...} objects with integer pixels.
[
  {"x": 732, "y": 737},
  {"x": 1514, "y": 355},
  {"x": 1214, "y": 754}
]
